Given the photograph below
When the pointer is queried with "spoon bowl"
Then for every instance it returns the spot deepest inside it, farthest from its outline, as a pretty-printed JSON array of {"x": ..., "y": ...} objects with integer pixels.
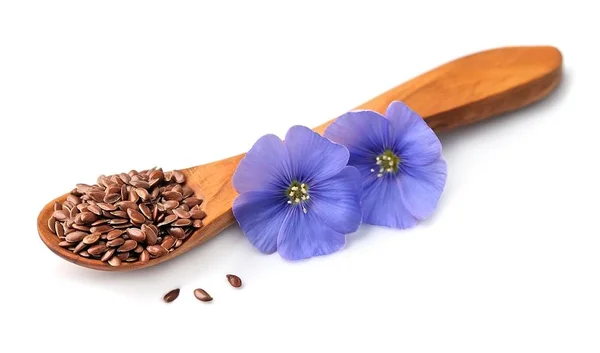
[{"x": 458, "y": 93}]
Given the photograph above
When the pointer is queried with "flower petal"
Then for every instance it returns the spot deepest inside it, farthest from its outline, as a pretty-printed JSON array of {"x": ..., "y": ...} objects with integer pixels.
[
  {"x": 312, "y": 156},
  {"x": 260, "y": 216},
  {"x": 422, "y": 187},
  {"x": 364, "y": 132},
  {"x": 337, "y": 201},
  {"x": 265, "y": 167},
  {"x": 416, "y": 143},
  {"x": 304, "y": 235},
  {"x": 382, "y": 203}
]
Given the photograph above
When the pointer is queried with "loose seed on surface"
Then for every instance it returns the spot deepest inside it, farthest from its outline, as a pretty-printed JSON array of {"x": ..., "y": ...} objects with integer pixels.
[
  {"x": 202, "y": 295},
  {"x": 234, "y": 280},
  {"x": 171, "y": 295}
]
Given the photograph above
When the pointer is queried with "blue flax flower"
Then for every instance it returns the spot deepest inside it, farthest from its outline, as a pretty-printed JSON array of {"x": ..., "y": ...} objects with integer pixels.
[
  {"x": 297, "y": 197},
  {"x": 400, "y": 161}
]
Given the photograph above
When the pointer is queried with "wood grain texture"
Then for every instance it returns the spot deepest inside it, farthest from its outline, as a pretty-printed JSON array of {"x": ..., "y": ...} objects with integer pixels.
[{"x": 461, "y": 92}]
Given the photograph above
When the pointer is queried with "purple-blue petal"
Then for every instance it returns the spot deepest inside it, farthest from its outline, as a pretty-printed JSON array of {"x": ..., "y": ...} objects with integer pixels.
[
  {"x": 260, "y": 216},
  {"x": 415, "y": 141},
  {"x": 312, "y": 156},
  {"x": 266, "y": 166},
  {"x": 422, "y": 187},
  {"x": 337, "y": 200},
  {"x": 305, "y": 235},
  {"x": 383, "y": 205},
  {"x": 365, "y": 133}
]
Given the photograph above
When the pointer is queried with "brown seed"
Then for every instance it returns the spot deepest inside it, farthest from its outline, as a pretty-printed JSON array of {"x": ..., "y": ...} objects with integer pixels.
[
  {"x": 78, "y": 219},
  {"x": 97, "y": 196},
  {"x": 178, "y": 243},
  {"x": 133, "y": 196},
  {"x": 97, "y": 249},
  {"x": 136, "y": 234},
  {"x": 75, "y": 236},
  {"x": 172, "y": 295},
  {"x": 150, "y": 233},
  {"x": 80, "y": 246},
  {"x": 177, "y": 233},
  {"x": 95, "y": 210},
  {"x": 172, "y": 195},
  {"x": 113, "y": 190},
  {"x": 65, "y": 244},
  {"x": 168, "y": 242},
  {"x": 197, "y": 223},
  {"x": 131, "y": 258},
  {"x": 51, "y": 224},
  {"x": 82, "y": 188},
  {"x": 100, "y": 222},
  {"x": 115, "y": 242},
  {"x": 167, "y": 220},
  {"x": 144, "y": 257},
  {"x": 157, "y": 174},
  {"x": 81, "y": 227},
  {"x": 114, "y": 234},
  {"x": 123, "y": 256},
  {"x": 107, "y": 207},
  {"x": 202, "y": 295},
  {"x": 197, "y": 214},
  {"x": 91, "y": 238},
  {"x": 108, "y": 254},
  {"x": 138, "y": 249},
  {"x": 184, "y": 207},
  {"x": 112, "y": 198},
  {"x": 125, "y": 205},
  {"x": 155, "y": 213},
  {"x": 179, "y": 177},
  {"x": 88, "y": 217},
  {"x": 60, "y": 215},
  {"x": 182, "y": 223},
  {"x": 124, "y": 193},
  {"x": 156, "y": 250},
  {"x": 125, "y": 177},
  {"x": 145, "y": 210},
  {"x": 114, "y": 261},
  {"x": 57, "y": 206},
  {"x": 67, "y": 206},
  {"x": 140, "y": 184},
  {"x": 117, "y": 221},
  {"x": 171, "y": 204},
  {"x": 234, "y": 280},
  {"x": 74, "y": 212},
  {"x": 127, "y": 246},
  {"x": 120, "y": 214},
  {"x": 135, "y": 216},
  {"x": 143, "y": 194},
  {"x": 187, "y": 191},
  {"x": 59, "y": 230},
  {"x": 101, "y": 229},
  {"x": 74, "y": 199},
  {"x": 192, "y": 201},
  {"x": 181, "y": 213},
  {"x": 84, "y": 254}
]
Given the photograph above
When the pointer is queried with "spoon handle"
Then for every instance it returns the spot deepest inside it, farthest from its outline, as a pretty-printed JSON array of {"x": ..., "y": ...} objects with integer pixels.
[{"x": 476, "y": 87}]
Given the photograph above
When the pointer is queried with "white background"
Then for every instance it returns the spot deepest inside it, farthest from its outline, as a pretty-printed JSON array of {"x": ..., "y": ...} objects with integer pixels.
[{"x": 509, "y": 263}]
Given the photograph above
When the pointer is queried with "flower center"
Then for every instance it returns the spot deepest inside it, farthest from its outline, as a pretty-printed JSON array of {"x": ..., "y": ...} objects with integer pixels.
[
  {"x": 387, "y": 162},
  {"x": 297, "y": 193}
]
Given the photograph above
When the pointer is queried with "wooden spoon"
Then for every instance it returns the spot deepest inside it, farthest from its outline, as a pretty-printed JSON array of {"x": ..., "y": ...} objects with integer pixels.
[{"x": 461, "y": 92}]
